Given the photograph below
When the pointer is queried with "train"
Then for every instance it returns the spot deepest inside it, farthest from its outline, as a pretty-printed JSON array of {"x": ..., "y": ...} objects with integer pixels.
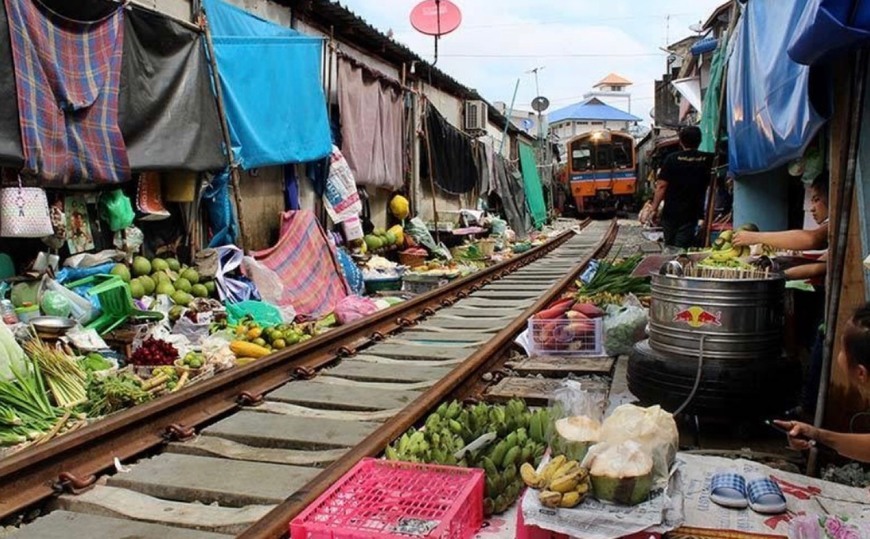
[{"x": 601, "y": 172}]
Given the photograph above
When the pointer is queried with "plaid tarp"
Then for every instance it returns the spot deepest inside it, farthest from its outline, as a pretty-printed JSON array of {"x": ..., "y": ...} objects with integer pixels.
[
  {"x": 306, "y": 264},
  {"x": 67, "y": 76}
]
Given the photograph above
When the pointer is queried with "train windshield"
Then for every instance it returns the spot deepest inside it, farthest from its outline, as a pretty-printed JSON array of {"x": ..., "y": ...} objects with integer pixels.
[{"x": 586, "y": 155}]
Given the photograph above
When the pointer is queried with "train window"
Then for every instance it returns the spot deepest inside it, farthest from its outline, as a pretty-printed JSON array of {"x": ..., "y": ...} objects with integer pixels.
[
  {"x": 602, "y": 157},
  {"x": 581, "y": 157},
  {"x": 621, "y": 156}
]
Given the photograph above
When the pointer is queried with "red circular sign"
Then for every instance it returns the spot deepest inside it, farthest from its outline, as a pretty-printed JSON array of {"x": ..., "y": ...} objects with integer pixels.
[{"x": 425, "y": 17}]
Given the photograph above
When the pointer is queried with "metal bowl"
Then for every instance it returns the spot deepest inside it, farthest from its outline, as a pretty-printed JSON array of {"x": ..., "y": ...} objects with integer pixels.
[{"x": 52, "y": 325}]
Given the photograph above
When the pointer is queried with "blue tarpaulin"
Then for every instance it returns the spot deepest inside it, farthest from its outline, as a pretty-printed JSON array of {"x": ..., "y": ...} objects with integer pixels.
[
  {"x": 770, "y": 117},
  {"x": 829, "y": 26},
  {"x": 270, "y": 78}
]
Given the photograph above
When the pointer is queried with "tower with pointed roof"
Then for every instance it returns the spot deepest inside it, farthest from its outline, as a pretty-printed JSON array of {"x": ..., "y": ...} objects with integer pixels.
[{"x": 612, "y": 90}]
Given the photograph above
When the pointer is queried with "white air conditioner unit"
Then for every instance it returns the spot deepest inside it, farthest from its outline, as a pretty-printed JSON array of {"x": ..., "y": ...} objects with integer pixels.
[{"x": 476, "y": 115}]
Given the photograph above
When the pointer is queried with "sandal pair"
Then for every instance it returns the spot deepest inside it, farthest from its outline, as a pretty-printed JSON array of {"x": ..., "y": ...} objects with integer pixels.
[{"x": 761, "y": 494}]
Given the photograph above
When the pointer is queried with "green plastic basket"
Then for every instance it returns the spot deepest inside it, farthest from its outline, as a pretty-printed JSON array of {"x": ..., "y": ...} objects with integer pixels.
[{"x": 116, "y": 302}]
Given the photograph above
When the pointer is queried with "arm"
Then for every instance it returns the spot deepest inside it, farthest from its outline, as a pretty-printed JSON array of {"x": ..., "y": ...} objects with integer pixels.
[
  {"x": 853, "y": 446},
  {"x": 806, "y": 271},
  {"x": 795, "y": 240},
  {"x": 661, "y": 188}
]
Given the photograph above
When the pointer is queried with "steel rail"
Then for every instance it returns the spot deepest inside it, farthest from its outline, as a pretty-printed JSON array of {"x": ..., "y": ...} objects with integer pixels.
[
  {"x": 456, "y": 384},
  {"x": 71, "y": 462}
]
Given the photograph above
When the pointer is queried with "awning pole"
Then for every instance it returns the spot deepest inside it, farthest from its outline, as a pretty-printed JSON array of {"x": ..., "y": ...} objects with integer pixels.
[{"x": 508, "y": 122}]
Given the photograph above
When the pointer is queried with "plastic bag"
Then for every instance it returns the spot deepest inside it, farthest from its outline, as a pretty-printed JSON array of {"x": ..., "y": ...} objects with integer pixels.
[
  {"x": 261, "y": 312},
  {"x": 82, "y": 310},
  {"x": 352, "y": 308},
  {"x": 216, "y": 351},
  {"x": 575, "y": 419},
  {"x": 625, "y": 326},
  {"x": 116, "y": 209},
  {"x": 195, "y": 332},
  {"x": 418, "y": 230},
  {"x": 653, "y": 428},
  {"x": 266, "y": 280}
]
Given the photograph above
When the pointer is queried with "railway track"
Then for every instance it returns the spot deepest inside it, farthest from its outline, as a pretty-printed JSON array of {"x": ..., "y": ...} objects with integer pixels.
[{"x": 243, "y": 453}]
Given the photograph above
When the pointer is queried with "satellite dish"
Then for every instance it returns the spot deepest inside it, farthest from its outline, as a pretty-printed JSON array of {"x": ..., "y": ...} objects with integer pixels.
[
  {"x": 672, "y": 58},
  {"x": 528, "y": 124},
  {"x": 540, "y": 104},
  {"x": 436, "y": 17},
  {"x": 697, "y": 27}
]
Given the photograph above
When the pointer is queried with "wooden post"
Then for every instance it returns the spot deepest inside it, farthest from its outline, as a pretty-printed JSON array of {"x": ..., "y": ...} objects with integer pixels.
[{"x": 219, "y": 98}]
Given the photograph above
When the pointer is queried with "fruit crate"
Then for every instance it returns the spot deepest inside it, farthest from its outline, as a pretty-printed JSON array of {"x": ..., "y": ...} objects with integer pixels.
[
  {"x": 381, "y": 499},
  {"x": 420, "y": 284},
  {"x": 567, "y": 336}
]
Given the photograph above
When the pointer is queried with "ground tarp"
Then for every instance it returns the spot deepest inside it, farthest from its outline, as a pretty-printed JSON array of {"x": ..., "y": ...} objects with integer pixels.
[
  {"x": 532, "y": 183},
  {"x": 270, "y": 78},
  {"x": 827, "y": 27},
  {"x": 167, "y": 111},
  {"x": 371, "y": 126},
  {"x": 770, "y": 116}
]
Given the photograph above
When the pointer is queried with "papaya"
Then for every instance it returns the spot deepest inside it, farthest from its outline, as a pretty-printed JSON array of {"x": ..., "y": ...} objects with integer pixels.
[{"x": 399, "y": 207}]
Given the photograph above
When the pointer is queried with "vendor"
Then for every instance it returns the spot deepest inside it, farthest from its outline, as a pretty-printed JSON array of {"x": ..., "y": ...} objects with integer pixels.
[
  {"x": 799, "y": 240},
  {"x": 682, "y": 184},
  {"x": 854, "y": 358}
]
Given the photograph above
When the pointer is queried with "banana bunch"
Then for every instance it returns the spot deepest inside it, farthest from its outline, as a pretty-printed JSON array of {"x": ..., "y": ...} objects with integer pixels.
[
  {"x": 725, "y": 252},
  {"x": 521, "y": 438},
  {"x": 562, "y": 482}
]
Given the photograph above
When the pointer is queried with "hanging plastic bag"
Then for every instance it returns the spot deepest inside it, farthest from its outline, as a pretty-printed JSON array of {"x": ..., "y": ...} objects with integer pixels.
[
  {"x": 232, "y": 290},
  {"x": 624, "y": 327},
  {"x": 81, "y": 309},
  {"x": 116, "y": 210}
]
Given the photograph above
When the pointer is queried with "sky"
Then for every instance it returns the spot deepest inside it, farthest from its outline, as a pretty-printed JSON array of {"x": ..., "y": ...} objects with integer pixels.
[{"x": 574, "y": 43}]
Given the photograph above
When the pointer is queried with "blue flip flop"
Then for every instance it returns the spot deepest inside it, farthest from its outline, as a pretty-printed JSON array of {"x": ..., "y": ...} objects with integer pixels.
[
  {"x": 728, "y": 489},
  {"x": 765, "y": 496}
]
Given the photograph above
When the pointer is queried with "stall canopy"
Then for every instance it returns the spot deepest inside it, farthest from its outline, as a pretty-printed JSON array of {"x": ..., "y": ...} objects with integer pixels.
[
  {"x": 532, "y": 182},
  {"x": 167, "y": 112},
  {"x": 827, "y": 27},
  {"x": 770, "y": 116},
  {"x": 270, "y": 79},
  {"x": 371, "y": 125}
]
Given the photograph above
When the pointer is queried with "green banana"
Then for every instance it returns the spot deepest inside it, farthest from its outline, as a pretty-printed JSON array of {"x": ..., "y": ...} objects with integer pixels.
[
  {"x": 455, "y": 426},
  {"x": 510, "y": 458},
  {"x": 499, "y": 452},
  {"x": 403, "y": 443},
  {"x": 442, "y": 410},
  {"x": 489, "y": 467},
  {"x": 536, "y": 429}
]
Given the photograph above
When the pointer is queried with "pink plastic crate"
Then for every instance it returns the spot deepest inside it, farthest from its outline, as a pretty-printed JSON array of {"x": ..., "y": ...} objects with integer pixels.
[
  {"x": 567, "y": 337},
  {"x": 381, "y": 499}
]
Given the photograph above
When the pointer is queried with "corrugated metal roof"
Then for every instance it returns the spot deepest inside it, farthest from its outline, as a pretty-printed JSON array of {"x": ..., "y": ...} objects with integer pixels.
[
  {"x": 348, "y": 27},
  {"x": 591, "y": 109}
]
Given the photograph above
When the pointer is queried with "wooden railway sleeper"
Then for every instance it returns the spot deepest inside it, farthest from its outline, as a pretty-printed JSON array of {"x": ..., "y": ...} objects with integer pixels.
[{"x": 69, "y": 483}]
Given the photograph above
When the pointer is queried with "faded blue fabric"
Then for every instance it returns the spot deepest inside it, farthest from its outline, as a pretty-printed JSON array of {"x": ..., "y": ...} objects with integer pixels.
[
  {"x": 771, "y": 119},
  {"x": 216, "y": 198},
  {"x": 270, "y": 78}
]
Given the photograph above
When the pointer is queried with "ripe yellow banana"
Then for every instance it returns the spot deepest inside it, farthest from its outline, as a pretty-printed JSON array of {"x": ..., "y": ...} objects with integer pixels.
[
  {"x": 530, "y": 477},
  {"x": 565, "y": 483},
  {"x": 570, "y": 499},
  {"x": 549, "y": 498}
]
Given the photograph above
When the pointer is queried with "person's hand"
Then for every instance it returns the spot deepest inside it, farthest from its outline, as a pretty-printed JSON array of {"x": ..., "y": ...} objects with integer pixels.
[
  {"x": 745, "y": 238},
  {"x": 800, "y": 435}
]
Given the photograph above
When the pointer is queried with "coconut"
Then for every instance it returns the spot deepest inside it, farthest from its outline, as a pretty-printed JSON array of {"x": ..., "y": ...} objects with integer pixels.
[
  {"x": 574, "y": 435},
  {"x": 621, "y": 473}
]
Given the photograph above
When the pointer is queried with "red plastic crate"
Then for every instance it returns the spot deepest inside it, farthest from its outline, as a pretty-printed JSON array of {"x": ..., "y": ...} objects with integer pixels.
[{"x": 381, "y": 499}]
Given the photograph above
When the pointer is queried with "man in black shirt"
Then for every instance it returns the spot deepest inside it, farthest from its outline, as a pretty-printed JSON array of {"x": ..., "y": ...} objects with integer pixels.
[{"x": 682, "y": 185}]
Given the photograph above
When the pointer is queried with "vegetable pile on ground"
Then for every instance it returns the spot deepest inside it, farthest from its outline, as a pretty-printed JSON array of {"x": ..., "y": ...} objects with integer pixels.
[
  {"x": 497, "y": 438},
  {"x": 614, "y": 276},
  {"x": 565, "y": 325}
]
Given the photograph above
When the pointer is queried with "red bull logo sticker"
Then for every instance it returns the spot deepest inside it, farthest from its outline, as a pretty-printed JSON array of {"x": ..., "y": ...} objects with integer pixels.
[{"x": 696, "y": 317}]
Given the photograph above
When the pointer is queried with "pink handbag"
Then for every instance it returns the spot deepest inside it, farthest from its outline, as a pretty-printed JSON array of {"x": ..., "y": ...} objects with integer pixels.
[{"x": 24, "y": 212}]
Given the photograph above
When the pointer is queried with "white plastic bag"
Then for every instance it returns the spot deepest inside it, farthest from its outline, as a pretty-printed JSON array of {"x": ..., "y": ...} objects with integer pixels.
[
  {"x": 267, "y": 281},
  {"x": 653, "y": 428},
  {"x": 625, "y": 326}
]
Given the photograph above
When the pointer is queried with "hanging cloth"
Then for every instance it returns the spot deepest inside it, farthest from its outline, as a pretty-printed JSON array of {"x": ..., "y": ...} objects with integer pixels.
[
  {"x": 67, "y": 77},
  {"x": 452, "y": 155},
  {"x": 371, "y": 126},
  {"x": 710, "y": 112},
  {"x": 509, "y": 188},
  {"x": 216, "y": 198},
  {"x": 827, "y": 27},
  {"x": 532, "y": 183},
  {"x": 291, "y": 188}
]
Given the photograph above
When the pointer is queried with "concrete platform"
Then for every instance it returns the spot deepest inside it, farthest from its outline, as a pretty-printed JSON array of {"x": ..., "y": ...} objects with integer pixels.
[
  {"x": 446, "y": 336},
  {"x": 66, "y": 525},
  {"x": 405, "y": 351},
  {"x": 317, "y": 395},
  {"x": 290, "y": 432},
  {"x": 370, "y": 372},
  {"x": 230, "y": 483}
]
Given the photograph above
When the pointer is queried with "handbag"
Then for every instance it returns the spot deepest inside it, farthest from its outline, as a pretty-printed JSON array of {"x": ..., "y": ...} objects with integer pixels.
[{"x": 24, "y": 212}]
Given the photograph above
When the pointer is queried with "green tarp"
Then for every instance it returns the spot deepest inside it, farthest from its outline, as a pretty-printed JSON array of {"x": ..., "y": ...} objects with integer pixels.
[
  {"x": 710, "y": 113},
  {"x": 532, "y": 183}
]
